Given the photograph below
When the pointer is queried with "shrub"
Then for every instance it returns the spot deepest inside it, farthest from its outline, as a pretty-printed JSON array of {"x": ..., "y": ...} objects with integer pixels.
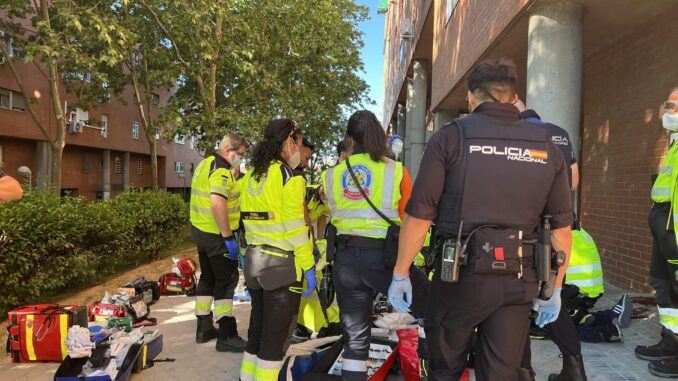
[{"x": 48, "y": 243}]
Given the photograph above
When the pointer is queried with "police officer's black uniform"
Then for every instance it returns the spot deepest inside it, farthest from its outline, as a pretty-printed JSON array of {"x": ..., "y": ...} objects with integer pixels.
[{"x": 504, "y": 173}]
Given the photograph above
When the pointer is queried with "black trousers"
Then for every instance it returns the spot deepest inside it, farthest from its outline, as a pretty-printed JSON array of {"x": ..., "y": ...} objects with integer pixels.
[
  {"x": 272, "y": 320},
  {"x": 663, "y": 274},
  {"x": 218, "y": 274},
  {"x": 498, "y": 306},
  {"x": 359, "y": 274},
  {"x": 564, "y": 334}
]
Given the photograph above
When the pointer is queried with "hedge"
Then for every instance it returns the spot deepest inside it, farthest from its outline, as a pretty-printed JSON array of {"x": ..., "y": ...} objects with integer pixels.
[{"x": 49, "y": 244}]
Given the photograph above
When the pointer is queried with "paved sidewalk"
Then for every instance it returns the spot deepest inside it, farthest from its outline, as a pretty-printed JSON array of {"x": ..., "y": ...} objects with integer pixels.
[{"x": 604, "y": 362}]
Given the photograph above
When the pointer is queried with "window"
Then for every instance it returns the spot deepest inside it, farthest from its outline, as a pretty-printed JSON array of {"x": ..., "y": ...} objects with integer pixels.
[
  {"x": 104, "y": 125},
  {"x": 451, "y": 5},
  {"x": 179, "y": 166},
  {"x": 135, "y": 130},
  {"x": 157, "y": 134},
  {"x": 180, "y": 138},
  {"x": 140, "y": 167},
  {"x": 156, "y": 99},
  {"x": 192, "y": 168},
  {"x": 118, "y": 164},
  {"x": 87, "y": 163},
  {"x": 192, "y": 142},
  {"x": 12, "y": 100}
]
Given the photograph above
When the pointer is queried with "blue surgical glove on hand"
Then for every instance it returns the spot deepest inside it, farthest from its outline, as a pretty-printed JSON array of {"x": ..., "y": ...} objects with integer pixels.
[
  {"x": 548, "y": 310},
  {"x": 400, "y": 293},
  {"x": 311, "y": 282},
  {"x": 232, "y": 246}
]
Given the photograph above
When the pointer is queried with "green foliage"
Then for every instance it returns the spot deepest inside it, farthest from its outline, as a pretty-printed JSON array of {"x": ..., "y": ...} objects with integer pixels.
[{"x": 48, "y": 243}]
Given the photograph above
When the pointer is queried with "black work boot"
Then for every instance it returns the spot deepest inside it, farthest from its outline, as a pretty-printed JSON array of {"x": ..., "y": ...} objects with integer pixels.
[
  {"x": 525, "y": 374},
  {"x": 665, "y": 349},
  {"x": 573, "y": 369},
  {"x": 664, "y": 368},
  {"x": 206, "y": 330},
  {"x": 227, "y": 337}
]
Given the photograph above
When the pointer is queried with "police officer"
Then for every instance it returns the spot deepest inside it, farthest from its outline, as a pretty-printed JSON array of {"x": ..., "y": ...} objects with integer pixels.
[
  {"x": 359, "y": 271},
  {"x": 488, "y": 168},
  {"x": 280, "y": 251},
  {"x": 215, "y": 215},
  {"x": 663, "y": 220}
]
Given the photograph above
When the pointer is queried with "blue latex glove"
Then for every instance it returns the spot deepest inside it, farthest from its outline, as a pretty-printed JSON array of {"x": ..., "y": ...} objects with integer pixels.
[
  {"x": 548, "y": 310},
  {"x": 232, "y": 246},
  {"x": 400, "y": 293},
  {"x": 311, "y": 282}
]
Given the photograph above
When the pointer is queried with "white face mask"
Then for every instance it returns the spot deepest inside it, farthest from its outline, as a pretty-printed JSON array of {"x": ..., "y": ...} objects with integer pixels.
[
  {"x": 670, "y": 121},
  {"x": 235, "y": 163},
  {"x": 294, "y": 159}
]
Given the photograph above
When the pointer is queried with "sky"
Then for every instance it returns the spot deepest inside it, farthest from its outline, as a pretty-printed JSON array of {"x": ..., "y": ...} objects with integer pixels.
[{"x": 373, "y": 55}]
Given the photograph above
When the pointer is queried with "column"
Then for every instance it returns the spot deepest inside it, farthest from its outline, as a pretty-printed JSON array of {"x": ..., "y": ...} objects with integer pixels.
[
  {"x": 125, "y": 171},
  {"x": 416, "y": 96},
  {"x": 441, "y": 118},
  {"x": 43, "y": 168},
  {"x": 407, "y": 139},
  {"x": 401, "y": 125},
  {"x": 106, "y": 172},
  {"x": 554, "y": 64}
]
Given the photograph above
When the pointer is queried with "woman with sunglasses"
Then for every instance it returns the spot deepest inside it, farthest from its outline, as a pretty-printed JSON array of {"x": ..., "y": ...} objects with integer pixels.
[{"x": 280, "y": 251}]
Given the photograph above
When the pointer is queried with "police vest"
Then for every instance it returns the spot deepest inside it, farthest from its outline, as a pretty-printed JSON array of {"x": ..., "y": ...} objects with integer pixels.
[
  {"x": 585, "y": 270},
  {"x": 664, "y": 186},
  {"x": 350, "y": 213},
  {"x": 273, "y": 212},
  {"x": 502, "y": 177},
  {"x": 213, "y": 176}
]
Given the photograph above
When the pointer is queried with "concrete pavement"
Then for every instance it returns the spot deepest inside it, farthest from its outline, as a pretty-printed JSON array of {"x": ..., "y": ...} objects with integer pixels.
[{"x": 604, "y": 362}]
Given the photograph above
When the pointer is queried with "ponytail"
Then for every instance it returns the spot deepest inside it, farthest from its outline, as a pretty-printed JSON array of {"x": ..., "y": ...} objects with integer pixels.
[{"x": 367, "y": 133}]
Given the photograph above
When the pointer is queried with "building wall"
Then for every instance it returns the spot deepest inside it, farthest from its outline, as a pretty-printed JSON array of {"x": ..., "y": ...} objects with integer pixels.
[{"x": 624, "y": 143}]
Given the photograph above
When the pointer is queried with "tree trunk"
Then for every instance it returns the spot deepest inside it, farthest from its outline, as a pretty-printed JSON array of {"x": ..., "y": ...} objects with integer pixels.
[
  {"x": 154, "y": 161},
  {"x": 57, "y": 154}
]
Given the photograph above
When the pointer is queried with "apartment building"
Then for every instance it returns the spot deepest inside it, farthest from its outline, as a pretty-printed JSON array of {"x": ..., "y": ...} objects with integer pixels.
[{"x": 598, "y": 68}]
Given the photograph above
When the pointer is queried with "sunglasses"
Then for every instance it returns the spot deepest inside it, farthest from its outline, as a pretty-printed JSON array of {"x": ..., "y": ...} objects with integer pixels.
[{"x": 670, "y": 105}]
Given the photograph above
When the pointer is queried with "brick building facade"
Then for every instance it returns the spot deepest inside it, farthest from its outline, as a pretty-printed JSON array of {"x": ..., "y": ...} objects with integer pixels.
[
  {"x": 123, "y": 149},
  {"x": 599, "y": 68}
]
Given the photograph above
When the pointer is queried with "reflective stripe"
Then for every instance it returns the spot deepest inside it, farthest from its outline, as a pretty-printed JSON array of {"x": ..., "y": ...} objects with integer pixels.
[
  {"x": 234, "y": 195},
  {"x": 666, "y": 169},
  {"x": 63, "y": 330},
  {"x": 364, "y": 233},
  {"x": 222, "y": 307},
  {"x": 580, "y": 269},
  {"x": 267, "y": 370},
  {"x": 661, "y": 192},
  {"x": 256, "y": 239},
  {"x": 235, "y": 209},
  {"x": 365, "y": 213},
  {"x": 199, "y": 210},
  {"x": 264, "y": 228},
  {"x": 298, "y": 240},
  {"x": 145, "y": 356},
  {"x": 199, "y": 193},
  {"x": 586, "y": 282},
  {"x": 248, "y": 367},
  {"x": 203, "y": 305},
  {"x": 29, "y": 337},
  {"x": 389, "y": 178},
  {"x": 218, "y": 189},
  {"x": 270, "y": 252},
  {"x": 329, "y": 190},
  {"x": 668, "y": 317},
  {"x": 354, "y": 365}
]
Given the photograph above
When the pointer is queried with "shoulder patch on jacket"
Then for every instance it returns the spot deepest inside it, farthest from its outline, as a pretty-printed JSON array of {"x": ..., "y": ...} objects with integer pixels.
[{"x": 287, "y": 173}]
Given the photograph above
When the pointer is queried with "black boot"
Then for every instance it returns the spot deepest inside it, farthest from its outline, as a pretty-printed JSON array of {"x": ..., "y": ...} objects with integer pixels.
[
  {"x": 573, "y": 369},
  {"x": 227, "y": 337},
  {"x": 525, "y": 374},
  {"x": 665, "y": 349},
  {"x": 664, "y": 368},
  {"x": 206, "y": 330}
]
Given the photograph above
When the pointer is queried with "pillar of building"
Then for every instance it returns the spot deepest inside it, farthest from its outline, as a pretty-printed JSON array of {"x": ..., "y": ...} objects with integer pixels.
[
  {"x": 400, "y": 124},
  {"x": 416, "y": 106},
  {"x": 125, "y": 171},
  {"x": 409, "y": 103},
  {"x": 441, "y": 118},
  {"x": 554, "y": 64},
  {"x": 43, "y": 170},
  {"x": 106, "y": 178}
]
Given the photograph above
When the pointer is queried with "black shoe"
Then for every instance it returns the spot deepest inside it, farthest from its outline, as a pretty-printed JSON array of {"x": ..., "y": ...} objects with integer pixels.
[
  {"x": 622, "y": 311},
  {"x": 664, "y": 368},
  {"x": 538, "y": 333},
  {"x": 301, "y": 334},
  {"x": 573, "y": 369},
  {"x": 206, "y": 330},
  {"x": 612, "y": 332},
  {"x": 525, "y": 374},
  {"x": 227, "y": 337},
  {"x": 665, "y": 349}
]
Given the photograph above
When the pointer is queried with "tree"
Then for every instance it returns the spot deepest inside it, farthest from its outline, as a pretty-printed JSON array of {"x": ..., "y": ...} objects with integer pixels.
[
  {"x": 245, "y": 62},
  {"x": 56, "y": 36}
]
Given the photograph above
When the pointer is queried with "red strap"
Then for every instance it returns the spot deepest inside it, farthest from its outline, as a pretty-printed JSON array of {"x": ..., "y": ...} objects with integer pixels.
[{"x": 499, "y": 253}]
